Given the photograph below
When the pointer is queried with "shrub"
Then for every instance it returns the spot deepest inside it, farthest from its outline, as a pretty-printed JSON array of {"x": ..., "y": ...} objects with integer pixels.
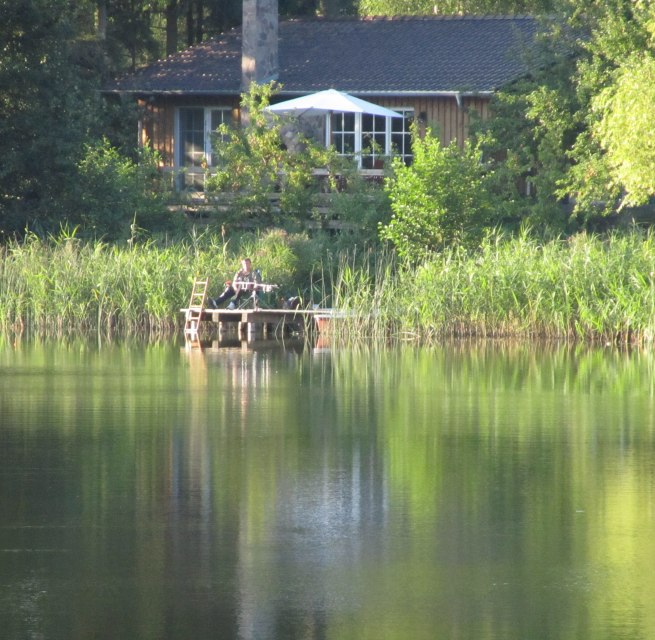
[
  {"x": 439, "y": 200},
  {"x": 115, "y": 193}
]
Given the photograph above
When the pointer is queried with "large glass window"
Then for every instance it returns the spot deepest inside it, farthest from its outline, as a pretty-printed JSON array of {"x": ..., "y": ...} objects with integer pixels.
[
  {"x": 192, "y": 137},
  {"x": 374, "y": 141},
  {"x": 217, "y": 118},
  {"x": 371, "y": 138},
  {"x": 195, "y": 128},
  {"x": 401, "y": 138}
]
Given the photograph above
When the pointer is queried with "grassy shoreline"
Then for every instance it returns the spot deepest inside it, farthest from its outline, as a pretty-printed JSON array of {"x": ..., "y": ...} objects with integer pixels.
[
  {"x": 64, "y": 286},
  {"x": 582, "y": 288}
]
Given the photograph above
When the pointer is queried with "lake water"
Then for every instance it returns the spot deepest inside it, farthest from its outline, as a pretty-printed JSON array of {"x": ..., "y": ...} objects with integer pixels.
[{"x": 483, "y": 492}]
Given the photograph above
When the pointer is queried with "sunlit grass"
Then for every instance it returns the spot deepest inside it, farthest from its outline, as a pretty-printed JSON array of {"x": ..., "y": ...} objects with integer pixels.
[
  {"x": 586, "y": 287},
  {"x": 582, "y": 288}
]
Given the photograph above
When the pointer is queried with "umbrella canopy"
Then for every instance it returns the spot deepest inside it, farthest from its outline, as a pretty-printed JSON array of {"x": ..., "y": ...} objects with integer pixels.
[{"x": 330, "y": 101}]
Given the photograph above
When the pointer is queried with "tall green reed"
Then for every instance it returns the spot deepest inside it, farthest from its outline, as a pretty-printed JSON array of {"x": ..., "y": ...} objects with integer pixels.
[
  {"x": 584, "y": 287},
  {"x": 63, "y": 285}
]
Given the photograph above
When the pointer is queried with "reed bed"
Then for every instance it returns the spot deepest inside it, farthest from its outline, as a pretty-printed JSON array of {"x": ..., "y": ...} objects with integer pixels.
[
  {"x": 63, "y": 286},
  {"x": 582, "y": 288}
]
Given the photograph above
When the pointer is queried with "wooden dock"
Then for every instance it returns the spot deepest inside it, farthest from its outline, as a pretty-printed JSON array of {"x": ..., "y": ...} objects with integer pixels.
[
  {"x": 258, "y": 322},
  {"x": 250, "y": 320}
]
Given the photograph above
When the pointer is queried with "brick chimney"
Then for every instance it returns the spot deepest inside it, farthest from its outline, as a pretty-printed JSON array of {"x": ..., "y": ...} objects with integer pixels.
[{"x": 259, "y": 34}]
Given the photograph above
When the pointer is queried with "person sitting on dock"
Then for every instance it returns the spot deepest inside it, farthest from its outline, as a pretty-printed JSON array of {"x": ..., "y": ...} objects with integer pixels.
[{"x": 238, "y": 286}]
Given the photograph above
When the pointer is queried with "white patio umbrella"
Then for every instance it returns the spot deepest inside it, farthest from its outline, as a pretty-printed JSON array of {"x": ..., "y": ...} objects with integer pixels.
[{"x": 327, "y": 102}]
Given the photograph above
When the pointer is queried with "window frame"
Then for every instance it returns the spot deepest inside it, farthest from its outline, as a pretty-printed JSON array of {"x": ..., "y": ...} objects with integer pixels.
[
  {"x": 360, "y": 153},
  {"x": 194, "y": 175}
]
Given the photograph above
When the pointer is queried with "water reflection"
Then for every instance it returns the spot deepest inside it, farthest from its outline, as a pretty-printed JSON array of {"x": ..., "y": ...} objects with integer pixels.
[{"x": 244, "y": 491}]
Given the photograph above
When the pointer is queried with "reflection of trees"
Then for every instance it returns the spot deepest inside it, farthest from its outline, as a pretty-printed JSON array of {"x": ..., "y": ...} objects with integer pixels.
[
  {"x": 502, "y": 452},
  {"x": 468, "y": 490}
]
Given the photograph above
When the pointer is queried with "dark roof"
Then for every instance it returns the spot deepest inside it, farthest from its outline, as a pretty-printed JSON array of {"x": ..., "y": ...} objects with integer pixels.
[{"x": 393, "y": 56}]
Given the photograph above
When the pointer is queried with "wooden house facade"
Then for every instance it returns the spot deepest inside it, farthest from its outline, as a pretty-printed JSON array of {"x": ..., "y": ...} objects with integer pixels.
[{"x": 435, "y": 70}]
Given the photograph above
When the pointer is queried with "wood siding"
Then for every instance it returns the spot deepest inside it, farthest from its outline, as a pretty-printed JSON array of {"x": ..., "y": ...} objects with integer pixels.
[
  {"x": 443, "y": 115},
  {"x": 158, "y": 121}
]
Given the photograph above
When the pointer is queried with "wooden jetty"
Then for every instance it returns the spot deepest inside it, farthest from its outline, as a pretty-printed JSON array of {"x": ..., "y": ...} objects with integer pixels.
[
  {"x": 266, "y": 321},
  {"x": 251, "y": 322}
]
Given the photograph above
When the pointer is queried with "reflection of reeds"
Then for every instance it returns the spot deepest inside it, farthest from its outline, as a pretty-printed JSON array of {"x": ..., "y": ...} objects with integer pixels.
[
  {"x": 582, "y": 288},
  {"x": 473, "y": 368}
]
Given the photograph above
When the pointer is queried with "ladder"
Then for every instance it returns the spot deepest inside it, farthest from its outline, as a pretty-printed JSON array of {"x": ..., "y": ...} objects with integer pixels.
[{"x": 196, "y": 306}]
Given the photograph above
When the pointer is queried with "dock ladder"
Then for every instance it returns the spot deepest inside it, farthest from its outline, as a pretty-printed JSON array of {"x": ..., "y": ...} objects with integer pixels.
[{"x": 196, "y": 307}]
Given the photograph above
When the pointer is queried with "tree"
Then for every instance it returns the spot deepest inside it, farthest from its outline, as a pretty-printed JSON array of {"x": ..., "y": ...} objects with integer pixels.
[
  {"x": 114, "y": 193},
  {"x": 251, "y": 163},
  {"x": 625, "y": 125},
  {"x": 626, "y": 129},
  {"x": 578, "y": 126},
  {"x": 439, "y": 200},
  {"x": 52, "y": 113},
  {"x": 48, "y": 107},
  {"x": 535, "y": 123},
  {"x": 617, "y": 42},
  {"x": 131, "y": 39}
]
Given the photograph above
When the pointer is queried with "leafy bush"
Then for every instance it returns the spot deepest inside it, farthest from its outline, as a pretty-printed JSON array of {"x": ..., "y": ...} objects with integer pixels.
[
  {"x": 252, "y": 164},
  {"x": 115, "y": 193},
  {"x": 440, "y": 200}
]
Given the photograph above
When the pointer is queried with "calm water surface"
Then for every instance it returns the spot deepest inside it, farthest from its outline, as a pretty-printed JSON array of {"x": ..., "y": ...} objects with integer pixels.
[{"x": 463, "y": 492}]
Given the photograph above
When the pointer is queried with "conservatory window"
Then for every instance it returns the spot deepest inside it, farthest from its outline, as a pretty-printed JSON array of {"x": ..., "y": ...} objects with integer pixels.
[{"x": 371, "y": 138}]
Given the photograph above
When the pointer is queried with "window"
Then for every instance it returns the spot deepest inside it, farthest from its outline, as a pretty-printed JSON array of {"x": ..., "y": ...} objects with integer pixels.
[
  {"x": 343, "y": 133},
  {"x": 372, "y": 138},
  {"x": 401, "y": 137},
  {"x": 374, "y": 141},
  {"x": 195, "y": 126}
]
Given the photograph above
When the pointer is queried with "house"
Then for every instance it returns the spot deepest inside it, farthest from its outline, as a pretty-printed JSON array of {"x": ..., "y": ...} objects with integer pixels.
[{"x": 433, "y": 69}]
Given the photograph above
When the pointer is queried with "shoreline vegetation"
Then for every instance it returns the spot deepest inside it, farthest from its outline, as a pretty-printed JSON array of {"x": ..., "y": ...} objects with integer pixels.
[{"x": 583, "y": 288}]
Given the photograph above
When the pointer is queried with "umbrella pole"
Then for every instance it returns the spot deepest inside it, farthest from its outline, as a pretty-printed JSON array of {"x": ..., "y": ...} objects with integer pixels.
[{"x": 328, "y": 129}]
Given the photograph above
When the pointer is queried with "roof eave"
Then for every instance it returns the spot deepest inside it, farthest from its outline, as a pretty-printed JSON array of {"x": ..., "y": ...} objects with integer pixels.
[{"x": 377, "y": 92}]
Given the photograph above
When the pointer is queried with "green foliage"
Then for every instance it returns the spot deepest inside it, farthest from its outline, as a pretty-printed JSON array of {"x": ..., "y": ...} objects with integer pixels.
[
  {"x": 359, "y": 203},
  {"x": 617, "y": 36},
  {"x": 48, "y": 105},
  {"x": 247, "y": 158},
  {"x": 115, "y": 193},
  {"x": 584, "y": 287},
  {"x": 252, "y": 164},
  {"x": 528, "y": 138},
  {"x": 440, "y": 200},
  {"x": 132, "y": 37},
  {"x": 580, "y": 129},
  {"x": 625, "y": 130}
]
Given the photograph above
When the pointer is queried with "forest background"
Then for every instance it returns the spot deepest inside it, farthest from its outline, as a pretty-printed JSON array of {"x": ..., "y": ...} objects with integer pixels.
[{"x": 578, "y": 130}]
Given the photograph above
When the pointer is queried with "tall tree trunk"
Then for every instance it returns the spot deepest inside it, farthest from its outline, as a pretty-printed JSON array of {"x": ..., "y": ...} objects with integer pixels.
[
  {"x": 171, "y": 27},
  {"x": 189, "y": 24},
  {"x": 199, "y": 20},
  {"x": 102, "y": 20}
]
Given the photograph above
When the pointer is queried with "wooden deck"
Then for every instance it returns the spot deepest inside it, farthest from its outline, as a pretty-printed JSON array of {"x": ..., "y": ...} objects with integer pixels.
[{"x": 264, "y": 321}]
